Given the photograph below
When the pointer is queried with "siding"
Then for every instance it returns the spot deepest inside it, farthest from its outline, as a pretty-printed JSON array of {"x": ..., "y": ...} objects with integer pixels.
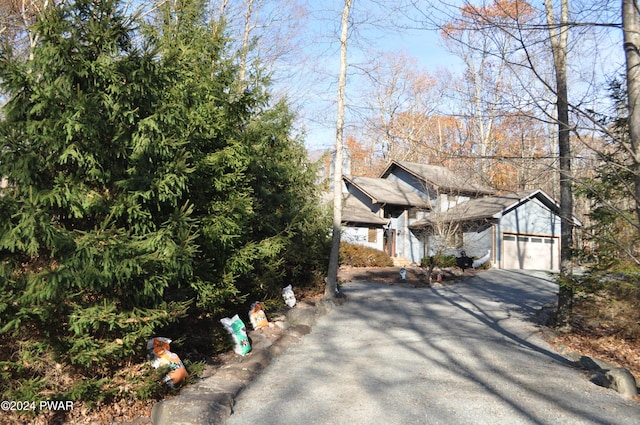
[
  {"x": 360, "y": 236},
  {"x": 531, "y": 218}
]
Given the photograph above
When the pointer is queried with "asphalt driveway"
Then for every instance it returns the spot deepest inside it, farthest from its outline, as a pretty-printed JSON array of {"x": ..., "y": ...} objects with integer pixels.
[{"x": 468, "y": 353}]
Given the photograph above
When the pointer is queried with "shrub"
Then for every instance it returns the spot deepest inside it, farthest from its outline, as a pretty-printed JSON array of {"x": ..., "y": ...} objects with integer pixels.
[
  {"x": 442, "y": 261},
  {"x": 362, "y": 256},
  {"x": 448, "y": 261}
]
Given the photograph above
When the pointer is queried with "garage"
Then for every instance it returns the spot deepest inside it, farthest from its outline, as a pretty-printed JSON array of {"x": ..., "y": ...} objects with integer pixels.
[{"x": 530, "y": 252}]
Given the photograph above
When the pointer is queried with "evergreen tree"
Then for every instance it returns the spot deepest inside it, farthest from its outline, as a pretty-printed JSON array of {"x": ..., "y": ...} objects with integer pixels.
[
  {"x": 613, "y": 230},
  {"x": 252, "y": 188},
  {"x": 95, "y": 230},
  {"x": 148, "y": 186}
]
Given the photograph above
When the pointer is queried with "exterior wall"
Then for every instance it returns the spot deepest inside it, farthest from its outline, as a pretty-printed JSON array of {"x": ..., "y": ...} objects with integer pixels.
[
  {"x": 360, "y": 236},
  {"x": 446, "y": 202},
  {"x": 410, "y": 180},
  {"x": 531, "y": 218},
  {"x": 477, "y": 243},
  {"x": 408, "y": 245},
  {"x": 401, "y": 235},
  {"x": 432, "y": 244},
  {"x": 415, "y": 244}
]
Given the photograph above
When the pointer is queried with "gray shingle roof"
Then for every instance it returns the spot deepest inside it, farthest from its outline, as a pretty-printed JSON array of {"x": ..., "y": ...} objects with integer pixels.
[
  {"x": 383, "y": 191},
  {"x": 440, "y": 177},
  {"x": 353, "y": 211},
  {"x": 484, "y": 208}
]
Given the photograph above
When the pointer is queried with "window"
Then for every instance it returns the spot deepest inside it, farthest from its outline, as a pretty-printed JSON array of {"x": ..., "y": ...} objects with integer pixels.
[
  {"x": 458, "y": 239},
  {"x": 373, "y": 236}
]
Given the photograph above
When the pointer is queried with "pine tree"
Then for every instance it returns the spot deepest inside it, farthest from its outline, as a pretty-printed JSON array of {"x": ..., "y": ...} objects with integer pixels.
[
  {"x": 95, "y": 229},
  {"x": 149, "y": 188},
  {"x": 252, "y": 188}
]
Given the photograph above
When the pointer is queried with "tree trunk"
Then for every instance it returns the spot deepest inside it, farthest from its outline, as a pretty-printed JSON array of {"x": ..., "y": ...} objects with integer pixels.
[
  {"x": 631, "y": 30},
  {"x": 331, "y": 286},
  {"x": 245, "y": 45},
  {"x": 558, "y": 34}
]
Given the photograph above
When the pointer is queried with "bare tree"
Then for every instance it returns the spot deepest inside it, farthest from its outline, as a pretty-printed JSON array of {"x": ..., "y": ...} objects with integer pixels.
[
  {"x": 334, "y": 258},
  {"x": 397, "y": 98},
  {"x": 631, "y": 29},
  {"x": 16, "y": 19},
  {"x": 486, "y": 80}
]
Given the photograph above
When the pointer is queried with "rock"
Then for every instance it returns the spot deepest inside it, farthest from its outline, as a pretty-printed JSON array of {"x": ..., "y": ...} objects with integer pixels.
[
  {"x": 301, "y": 316},
  {"x": 623, "y": 382},
  {"x": 600, "y": 379},
  {"x": 592, "y": 363},
  {"x": 608, "y": 375},
  {"x": 547, "y": 314},
  {"x": 259, "y": 341}
]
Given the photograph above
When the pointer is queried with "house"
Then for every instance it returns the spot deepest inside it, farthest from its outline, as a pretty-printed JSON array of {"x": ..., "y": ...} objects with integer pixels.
[
  {"x": 521, "y": 230},
  {"x": 415, "y": 210}
]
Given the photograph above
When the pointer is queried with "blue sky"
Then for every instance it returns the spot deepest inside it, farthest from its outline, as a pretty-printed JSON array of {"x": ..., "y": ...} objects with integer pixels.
[
  {"x": 423, "y": 45},
  {"x": 606, "y": 57}
]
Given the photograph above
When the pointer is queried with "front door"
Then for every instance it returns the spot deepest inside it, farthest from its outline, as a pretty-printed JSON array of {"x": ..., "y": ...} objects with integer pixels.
[{"x": 390, "y": 242}]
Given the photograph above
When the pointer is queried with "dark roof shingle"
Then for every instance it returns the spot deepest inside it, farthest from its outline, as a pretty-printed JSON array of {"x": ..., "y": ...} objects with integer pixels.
[
  {"x": 442, "y": 178},
  {"x": 383, "y": 191}
]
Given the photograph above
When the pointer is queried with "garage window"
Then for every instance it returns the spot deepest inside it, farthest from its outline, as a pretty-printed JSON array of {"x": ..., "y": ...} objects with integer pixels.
[{"x": 536, "y": 240}]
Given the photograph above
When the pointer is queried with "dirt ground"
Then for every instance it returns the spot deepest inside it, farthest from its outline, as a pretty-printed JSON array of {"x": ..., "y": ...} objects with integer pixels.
[{"x": 416, "y": 276}]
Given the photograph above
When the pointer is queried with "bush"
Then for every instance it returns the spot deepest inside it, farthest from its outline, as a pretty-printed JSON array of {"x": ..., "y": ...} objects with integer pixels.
[
  {"x": 442, "y": 261},
  {"x": 362, "y": 256},
  {"x": 448, "y": 261}
]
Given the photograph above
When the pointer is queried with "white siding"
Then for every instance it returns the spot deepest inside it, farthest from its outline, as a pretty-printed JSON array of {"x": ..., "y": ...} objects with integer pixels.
[{"x": 360, "y": 236}]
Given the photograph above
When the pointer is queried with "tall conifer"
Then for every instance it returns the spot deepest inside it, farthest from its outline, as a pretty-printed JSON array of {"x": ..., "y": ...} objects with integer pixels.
[{"x": 94, "y": 224}]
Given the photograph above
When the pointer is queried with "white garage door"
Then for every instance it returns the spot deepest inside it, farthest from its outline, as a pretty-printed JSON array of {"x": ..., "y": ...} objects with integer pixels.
[{"x": 530, "y": 252}]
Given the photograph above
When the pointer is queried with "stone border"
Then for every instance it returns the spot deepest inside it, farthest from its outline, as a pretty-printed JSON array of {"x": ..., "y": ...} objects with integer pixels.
[
  {"x": 210, "y": 401},
  {"x": 603, "y": 373}
]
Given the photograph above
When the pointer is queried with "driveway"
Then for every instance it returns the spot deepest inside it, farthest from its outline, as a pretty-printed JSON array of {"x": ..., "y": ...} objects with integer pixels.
[{"x": 468, "y": 353}]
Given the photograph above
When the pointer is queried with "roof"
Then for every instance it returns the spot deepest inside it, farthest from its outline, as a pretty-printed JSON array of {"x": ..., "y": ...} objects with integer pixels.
[
  {"x": 353, "y": 211},
  {"x": 488, "y": 207},
  {"x": 441, "y": 178},
  {"x": 383, "y": 191}
]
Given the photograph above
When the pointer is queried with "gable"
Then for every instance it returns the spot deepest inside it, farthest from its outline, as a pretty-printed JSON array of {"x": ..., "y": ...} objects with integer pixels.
[
  {"x": 511, "y": 209},
  {"x": 433, "y": 177},
  {"x": 531, "y": 217},
  {"x": 383, "y": 191}
]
